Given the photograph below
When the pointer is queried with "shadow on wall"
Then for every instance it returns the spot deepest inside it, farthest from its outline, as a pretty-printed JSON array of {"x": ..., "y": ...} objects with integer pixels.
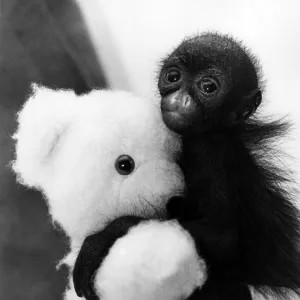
[{"x": 43, "y": 41}]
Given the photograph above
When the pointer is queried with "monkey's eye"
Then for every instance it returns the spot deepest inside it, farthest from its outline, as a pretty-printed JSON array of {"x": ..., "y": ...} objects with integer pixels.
[
  {"x": 124, "y": 164},
  {"x": 208, "y": 85},
  {"x": 173, "y": 76}
]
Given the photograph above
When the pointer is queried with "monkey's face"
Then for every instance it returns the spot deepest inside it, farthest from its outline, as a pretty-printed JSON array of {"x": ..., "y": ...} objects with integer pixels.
[
  {"x": 189, "y": 98},
  {"x": 206, "y": 82}
]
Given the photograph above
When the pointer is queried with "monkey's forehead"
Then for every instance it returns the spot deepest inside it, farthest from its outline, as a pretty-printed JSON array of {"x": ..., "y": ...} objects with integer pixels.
[{"x": 212, "y": 50}]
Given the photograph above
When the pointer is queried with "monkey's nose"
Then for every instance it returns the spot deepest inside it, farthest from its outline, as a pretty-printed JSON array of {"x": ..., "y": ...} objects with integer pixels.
[
  {"x": 178, "y": 102},
  {"x": 186, "y": 101}
]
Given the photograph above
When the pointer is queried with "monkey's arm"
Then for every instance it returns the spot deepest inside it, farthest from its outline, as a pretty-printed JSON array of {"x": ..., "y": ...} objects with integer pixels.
[
  {"x": 93, "y": 251},
  {"x": 154, "y": 260}
]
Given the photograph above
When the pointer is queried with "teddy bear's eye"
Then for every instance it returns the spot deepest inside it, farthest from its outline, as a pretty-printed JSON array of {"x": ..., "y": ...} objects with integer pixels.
[{"x": 124, "y": 164}]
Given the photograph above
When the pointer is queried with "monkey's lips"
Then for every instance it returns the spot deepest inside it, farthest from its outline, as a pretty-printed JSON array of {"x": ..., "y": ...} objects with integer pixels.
[{"x": 175, "y": 121}]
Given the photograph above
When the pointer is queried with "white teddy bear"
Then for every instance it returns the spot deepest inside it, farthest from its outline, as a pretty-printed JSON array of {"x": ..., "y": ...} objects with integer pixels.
[{"x": 103, "y": 155}]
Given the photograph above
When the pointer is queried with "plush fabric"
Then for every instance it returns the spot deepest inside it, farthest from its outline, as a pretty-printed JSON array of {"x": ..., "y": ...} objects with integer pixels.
[{"x": 67, "y": 146}]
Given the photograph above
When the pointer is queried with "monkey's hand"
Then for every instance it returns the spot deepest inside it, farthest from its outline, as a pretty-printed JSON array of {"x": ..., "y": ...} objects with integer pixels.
[
  {"x": 155, "y": 260},
  {"x": 94, "y": 250}
]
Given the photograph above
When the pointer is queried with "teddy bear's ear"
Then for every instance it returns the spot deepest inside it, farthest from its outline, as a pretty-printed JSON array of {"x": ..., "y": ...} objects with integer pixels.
[{"x": 42, "y": 121}]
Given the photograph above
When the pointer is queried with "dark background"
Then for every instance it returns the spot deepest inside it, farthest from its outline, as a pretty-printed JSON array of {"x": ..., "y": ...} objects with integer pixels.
[{"x": 43, "y": 41}]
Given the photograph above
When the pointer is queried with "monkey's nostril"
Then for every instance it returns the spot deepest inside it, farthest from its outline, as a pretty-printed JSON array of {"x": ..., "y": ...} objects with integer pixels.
[{"x": 186, "y": 101}]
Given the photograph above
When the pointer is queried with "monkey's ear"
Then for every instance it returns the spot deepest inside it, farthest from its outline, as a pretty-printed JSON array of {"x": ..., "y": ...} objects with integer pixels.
[{"x": 248, "y": 106}]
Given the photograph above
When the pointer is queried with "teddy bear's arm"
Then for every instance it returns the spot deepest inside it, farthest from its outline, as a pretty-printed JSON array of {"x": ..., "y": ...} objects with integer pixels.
[
  {"x": 96, "y": 248},
  {"x": 154, "y": 260},
  {"x": 93, "y": 251}
]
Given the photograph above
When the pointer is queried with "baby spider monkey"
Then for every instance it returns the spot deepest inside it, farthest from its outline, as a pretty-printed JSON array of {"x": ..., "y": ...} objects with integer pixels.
[{"x": 235, "y": 207}]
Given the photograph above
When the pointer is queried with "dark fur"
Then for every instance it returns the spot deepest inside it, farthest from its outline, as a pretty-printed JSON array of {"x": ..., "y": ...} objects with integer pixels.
[
  {"x": 238, "y": 211},
  {"x": 236, "y": 206}
]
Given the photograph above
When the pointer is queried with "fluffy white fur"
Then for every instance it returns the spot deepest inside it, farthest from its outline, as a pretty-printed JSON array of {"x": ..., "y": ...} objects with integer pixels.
[{"x": 66, "y": 146}]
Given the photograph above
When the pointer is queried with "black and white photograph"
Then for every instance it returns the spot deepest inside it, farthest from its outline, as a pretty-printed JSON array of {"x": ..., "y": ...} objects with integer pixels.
[{"x": 149, "y": 150}]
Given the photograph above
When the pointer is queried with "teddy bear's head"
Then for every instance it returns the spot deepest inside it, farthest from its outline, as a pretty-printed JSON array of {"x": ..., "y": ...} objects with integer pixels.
[{"x": 96, "y": 156}]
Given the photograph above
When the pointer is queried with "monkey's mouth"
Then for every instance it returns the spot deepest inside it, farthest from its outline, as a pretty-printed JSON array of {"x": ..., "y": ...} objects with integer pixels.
[{"x": 175, "y": 121}]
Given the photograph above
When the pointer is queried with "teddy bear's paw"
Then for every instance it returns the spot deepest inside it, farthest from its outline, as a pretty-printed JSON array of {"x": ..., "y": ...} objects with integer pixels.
[
  {"x": 93, "y": 251},
  {"x": 154, "y": 261}
]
